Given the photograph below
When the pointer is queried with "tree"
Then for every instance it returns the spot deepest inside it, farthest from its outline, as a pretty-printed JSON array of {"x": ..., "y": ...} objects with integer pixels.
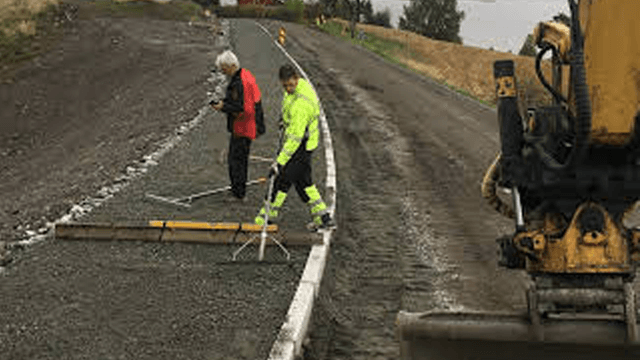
[
  {"x": 382, "y": 18},
  {"x": 355, "y": 16},
  {"x": 332, "y": 8},
  {"x": 367, "y": 11},
  {"x": 345, "y": 9},
  {"x": 562, "y": 18},
  {"x": 295, "y": 8},
  {"x": 528, "y": 48},
  {"x": 207, "y": 3},
  {"x": 435, "y": 19},
  {"x": 352, "y": 10}
]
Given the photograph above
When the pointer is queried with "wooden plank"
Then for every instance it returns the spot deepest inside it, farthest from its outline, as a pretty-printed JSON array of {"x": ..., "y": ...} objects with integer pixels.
[
  {"x": 217, "y": 233},
  {"x": 198, "y": 236},
  {"x": 211, "y": 226},
  {"x": 300, "y": 238},
  {"x": 258, "y": 228},
  {"x": 194, "y": 225},
  {"x": 102, "y": 231}
]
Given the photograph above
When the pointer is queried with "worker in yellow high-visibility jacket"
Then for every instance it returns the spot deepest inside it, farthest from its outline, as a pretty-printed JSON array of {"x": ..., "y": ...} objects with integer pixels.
[{"x": 300, "y": 111}]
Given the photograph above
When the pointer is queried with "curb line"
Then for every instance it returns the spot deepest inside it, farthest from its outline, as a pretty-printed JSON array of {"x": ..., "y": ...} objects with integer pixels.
[{"x": 288, "y": 344}]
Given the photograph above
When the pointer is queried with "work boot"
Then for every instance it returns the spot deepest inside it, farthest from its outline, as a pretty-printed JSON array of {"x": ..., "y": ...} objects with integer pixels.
[
  {"x": 327, "y": 224},
  {"x": 231, "y": 198}
]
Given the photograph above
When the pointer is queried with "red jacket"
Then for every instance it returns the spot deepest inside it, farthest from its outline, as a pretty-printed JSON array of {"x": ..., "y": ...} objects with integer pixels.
[{"x": 245, "y": 124}]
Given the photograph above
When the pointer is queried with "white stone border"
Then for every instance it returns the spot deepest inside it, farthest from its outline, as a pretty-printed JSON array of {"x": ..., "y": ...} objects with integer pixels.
[
  {"x": 288, "y": 344},
  {"x": 132, "y": 171}
]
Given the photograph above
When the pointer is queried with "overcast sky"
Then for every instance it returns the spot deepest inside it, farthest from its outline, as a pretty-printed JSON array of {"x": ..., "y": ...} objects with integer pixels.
[{"x": 503, "y": 24}]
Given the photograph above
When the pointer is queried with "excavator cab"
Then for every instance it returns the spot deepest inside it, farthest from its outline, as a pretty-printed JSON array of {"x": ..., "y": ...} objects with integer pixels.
[{"x": 573, "y": 170}]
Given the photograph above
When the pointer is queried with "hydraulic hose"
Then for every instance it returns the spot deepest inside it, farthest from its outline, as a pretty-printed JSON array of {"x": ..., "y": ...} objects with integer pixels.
[
  {"x": 583, "y": 103},
  {"x": 580, "y": 87},
  {"x": 489, "y": 190},
  {"x": 559, "y": 98}
]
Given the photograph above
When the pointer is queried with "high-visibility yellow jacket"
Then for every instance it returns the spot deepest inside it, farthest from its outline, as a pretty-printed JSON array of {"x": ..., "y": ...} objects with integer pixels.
[{"x": 300, "y": 112}]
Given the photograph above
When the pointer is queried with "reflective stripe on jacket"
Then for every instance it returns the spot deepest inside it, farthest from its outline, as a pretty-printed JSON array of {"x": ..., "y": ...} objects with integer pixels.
[{"x": 300, "y": 112}]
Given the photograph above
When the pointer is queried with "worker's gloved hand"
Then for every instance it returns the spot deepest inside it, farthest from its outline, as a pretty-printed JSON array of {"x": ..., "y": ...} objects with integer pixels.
[
  {"x": 216, "y": 104},
  {"x": 280, "y": 124},
  {"x": 275, "y": 169}
]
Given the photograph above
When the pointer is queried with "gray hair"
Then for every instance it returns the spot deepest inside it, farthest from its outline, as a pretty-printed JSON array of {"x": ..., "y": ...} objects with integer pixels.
[{"x": 227, "y": 58}]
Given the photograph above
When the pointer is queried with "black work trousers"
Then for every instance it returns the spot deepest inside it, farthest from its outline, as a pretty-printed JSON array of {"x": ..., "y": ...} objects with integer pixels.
[
  {"x": 296, "y": 172},
  {"x": 238, "y": 160}
]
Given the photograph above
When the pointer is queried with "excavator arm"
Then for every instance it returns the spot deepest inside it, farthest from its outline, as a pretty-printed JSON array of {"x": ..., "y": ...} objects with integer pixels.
[{"x": 573, "y": 168}]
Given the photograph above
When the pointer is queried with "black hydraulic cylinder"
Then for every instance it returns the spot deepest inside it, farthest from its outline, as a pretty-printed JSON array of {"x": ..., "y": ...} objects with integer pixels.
[{"x": 510, "y": 121}]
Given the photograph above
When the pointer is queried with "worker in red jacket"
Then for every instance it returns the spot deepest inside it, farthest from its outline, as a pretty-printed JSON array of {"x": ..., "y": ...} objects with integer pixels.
[{"x": 245, "y": 119}]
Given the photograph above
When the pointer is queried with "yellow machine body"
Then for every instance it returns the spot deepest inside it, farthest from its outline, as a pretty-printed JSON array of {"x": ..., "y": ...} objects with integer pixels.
[
  {"x": 570, "y": 236},
  {"x": 612, "y": 63},
  {"x": 575, "y": 251}
]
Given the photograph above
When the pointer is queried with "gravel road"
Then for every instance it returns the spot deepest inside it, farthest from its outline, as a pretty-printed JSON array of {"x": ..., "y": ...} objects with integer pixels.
[
  {"x": 138, "y": 81},
  {"x": 414, "y": 232}
]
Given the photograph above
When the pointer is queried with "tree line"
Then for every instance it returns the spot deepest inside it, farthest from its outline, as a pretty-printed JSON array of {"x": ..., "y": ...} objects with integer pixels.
[{"x": 436, "y": 19}]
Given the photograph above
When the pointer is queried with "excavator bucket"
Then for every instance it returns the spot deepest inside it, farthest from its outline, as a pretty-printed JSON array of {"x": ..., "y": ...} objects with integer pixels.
[{"x": 496, "y": 336}]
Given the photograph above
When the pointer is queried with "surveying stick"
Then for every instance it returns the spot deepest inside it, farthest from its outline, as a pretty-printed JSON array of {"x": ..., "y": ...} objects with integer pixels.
[
  {"x": 267, "y": 205},
  {"x": 267, "y": 208}
]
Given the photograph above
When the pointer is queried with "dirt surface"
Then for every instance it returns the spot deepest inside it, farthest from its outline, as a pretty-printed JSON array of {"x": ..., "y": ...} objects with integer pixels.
[
  {"x": 414, "y": 231},
  {"x": 112, "y": 93},
  {"x": 109, "y": 85}
]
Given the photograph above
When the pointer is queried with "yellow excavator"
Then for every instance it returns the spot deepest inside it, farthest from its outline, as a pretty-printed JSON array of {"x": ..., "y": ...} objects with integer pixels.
[{"x": 573, "y": 171}]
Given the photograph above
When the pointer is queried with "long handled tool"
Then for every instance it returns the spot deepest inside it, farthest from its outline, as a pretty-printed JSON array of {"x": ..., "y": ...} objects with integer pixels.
[
  {"x": 267, "y": 208},
  {"x": 223, "y": 158},
  {"x": 186, "y": 201},
  {"x": 263, "y": 234}
]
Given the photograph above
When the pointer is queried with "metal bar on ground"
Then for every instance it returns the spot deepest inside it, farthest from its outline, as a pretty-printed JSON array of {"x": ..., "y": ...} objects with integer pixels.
[
  {"x": 260, "y": 158},
  {"x": 178, "y": 231},
  {"x": 188, "y": 199},
  {"x": 215, "y": 191},
  {"x": 166, "y": 199}
]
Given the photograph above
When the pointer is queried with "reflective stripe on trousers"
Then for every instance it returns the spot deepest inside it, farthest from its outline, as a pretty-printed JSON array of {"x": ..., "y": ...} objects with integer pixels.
[
  {"x": 274, "y": 208},
  {"x": 316, "y": 205}
]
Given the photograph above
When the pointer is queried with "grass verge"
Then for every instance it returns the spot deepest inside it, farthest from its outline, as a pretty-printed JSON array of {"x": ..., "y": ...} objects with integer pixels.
[
  {"x": 17, "y": 46},
  {"x": 390, "y": 51}
]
